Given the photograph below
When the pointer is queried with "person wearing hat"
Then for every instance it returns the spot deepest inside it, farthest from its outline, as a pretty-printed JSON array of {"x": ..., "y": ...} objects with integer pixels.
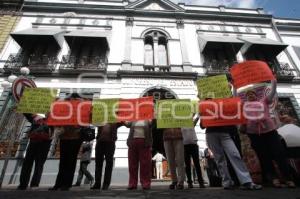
[{"x": 37, "y": 150}]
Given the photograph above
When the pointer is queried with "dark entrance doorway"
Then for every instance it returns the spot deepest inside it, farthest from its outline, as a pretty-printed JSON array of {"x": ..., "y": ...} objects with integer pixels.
[{"x": 158, "y": 93}]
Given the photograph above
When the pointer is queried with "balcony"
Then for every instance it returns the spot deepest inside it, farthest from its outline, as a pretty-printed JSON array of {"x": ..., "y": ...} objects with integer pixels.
[
  {"x": 216, "y": 67},
  {"x": 165, "y": 68},
  {"x": 73, "y": 64},
  {"x": 283, "y": 71},
  {"x": 42, "y": 64}
]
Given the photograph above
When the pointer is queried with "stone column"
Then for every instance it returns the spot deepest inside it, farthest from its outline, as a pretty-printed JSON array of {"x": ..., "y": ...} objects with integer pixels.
[
  {"x": 187, "y": 66},
  {"x": 126, "y": 63}
]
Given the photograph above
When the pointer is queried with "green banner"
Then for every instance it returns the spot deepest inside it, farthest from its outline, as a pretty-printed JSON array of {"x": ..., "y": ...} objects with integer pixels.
[
  {"x": 213, "y": 87},
  {"x": 195, "y": 106},
  {"x": 174, "y": 113},
  {"x": 104, "y": 111},
  {"x": 36, "y": 100}
]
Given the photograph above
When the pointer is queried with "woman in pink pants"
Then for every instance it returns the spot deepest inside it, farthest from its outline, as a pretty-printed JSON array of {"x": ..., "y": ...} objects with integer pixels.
[{"x": 139, "y": 144}]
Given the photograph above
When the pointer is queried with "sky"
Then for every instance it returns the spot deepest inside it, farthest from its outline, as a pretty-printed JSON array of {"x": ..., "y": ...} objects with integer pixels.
[{"x": 279, "y": 8}]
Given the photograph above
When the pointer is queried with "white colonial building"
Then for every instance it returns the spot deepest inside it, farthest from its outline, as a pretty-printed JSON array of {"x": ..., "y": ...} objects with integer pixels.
[{"x": 129, "y": 49}]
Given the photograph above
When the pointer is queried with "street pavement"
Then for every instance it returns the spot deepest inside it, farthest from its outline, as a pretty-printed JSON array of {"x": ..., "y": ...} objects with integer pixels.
[{"x": 158, "y": 191}]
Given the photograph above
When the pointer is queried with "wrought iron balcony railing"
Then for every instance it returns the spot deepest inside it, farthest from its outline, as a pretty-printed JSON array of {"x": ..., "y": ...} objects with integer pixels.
[
  {"x": 83, "y": 63},
  {"x": 215, "y": 67},
  {"x": 283, "y": 71},
  {"x": 36, "y": 64},
  {"x": 162, "y": 68}
]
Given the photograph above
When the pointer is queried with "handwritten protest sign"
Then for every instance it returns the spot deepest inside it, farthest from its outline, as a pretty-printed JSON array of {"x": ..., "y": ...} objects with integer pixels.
[
  {"x": 104, "y": 111},
  {"x": 250, "y": 72},
  {"x": 72, "y": 112},
  {"x": 136, "y": 109},
  {"x": 36, "y": 100},
  {"x": 195, "y": 106},
  {"x": 213, "y": 87},
  {"x": 174, "y": 114},
  {"x": 222, "y": 112}
]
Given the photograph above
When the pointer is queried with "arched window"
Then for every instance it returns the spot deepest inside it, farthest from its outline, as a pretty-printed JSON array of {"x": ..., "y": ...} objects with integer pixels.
[
  {"x": 162, "y": 52},
  {"x": 156, "y": 51},
  {"x": 148, "y": 51}
]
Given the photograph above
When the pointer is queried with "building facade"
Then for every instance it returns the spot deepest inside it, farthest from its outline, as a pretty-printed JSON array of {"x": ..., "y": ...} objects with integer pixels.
[{"x": 130, "y": 49}]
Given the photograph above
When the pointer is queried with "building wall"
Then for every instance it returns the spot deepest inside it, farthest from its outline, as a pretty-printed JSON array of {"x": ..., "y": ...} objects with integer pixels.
[{"x": 135, "y": 86}]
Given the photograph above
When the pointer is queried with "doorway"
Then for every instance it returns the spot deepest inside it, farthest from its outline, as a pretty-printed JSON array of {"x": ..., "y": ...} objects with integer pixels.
[{"x": 158, "y": 93}]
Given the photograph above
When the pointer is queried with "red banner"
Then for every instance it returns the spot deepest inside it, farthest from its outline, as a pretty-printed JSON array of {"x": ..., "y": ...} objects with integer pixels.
[
  {"x": 136, "y": 109},
  {"x": 73, "y": 112},
  {"x": 250, "y": 72},
  {"x": 222, "y": 112}
]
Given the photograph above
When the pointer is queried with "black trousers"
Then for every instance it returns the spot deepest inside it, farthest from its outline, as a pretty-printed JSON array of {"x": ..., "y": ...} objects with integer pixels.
[
  {"x": 192, "y": 151},
  {"x": 268, "y": 147},
  {"x": 36, "y": 153},
  {"x": 104, "y": 151},
  {"x": 67, "y": 163}
]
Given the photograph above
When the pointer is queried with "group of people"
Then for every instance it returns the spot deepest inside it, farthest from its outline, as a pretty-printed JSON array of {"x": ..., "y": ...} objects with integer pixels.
[{"x": 180, "y": 145}]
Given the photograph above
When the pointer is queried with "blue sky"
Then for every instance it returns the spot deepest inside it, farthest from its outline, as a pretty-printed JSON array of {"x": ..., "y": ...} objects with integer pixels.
[{"x": 279, "y": 8}]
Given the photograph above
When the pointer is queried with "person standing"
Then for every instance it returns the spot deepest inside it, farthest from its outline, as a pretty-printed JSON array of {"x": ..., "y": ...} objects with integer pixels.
[
  {"x": 191, "y": 150},
  {"x": 139, "y": 144},
  {"x": 213, "y": 174},
  {"x": 219, "y": 142},
  {"x": 158, "y": 158},
  {"x": 175, "y": 155},
  {"x": 105, "y": 150},
  {"x": 261, "y": 128},
  {"x": 69, "y": 143},
  {"x": 84, "y": 162},
  {"x": 37, "y": 150}
]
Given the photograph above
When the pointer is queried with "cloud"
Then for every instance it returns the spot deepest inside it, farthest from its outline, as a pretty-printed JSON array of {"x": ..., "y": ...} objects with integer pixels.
[{"x": 229, "y": 3}]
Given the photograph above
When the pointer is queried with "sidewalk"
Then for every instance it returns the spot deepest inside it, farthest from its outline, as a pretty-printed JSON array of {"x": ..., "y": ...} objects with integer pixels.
[{"x": 158, "y": 191}]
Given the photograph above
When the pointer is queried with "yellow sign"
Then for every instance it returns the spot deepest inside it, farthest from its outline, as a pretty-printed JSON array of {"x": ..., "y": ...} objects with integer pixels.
[
  {"x": 195, "y": 106},
  {"x": 213, "y": 87},
  {"x": 36, "y": 100},
  {"x": 105, "y": 111},
  {"x": 174, "y": 113}
]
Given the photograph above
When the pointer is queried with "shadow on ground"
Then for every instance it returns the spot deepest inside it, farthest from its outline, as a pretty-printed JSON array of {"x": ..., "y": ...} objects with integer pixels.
[{"x": 159, "y": 192}]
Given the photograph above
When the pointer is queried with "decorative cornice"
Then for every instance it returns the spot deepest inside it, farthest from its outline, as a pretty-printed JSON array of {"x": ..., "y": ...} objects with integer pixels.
[
  {"x": 151, "y": 74},
  {"x": 122, "y": 11}
]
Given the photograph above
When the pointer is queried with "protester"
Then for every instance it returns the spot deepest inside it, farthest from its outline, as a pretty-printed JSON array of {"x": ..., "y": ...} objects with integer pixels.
[
  {"x": 175, "y": 155},
  {"x": 105, "y": 149},
  {"x": 70, "y": 142},
  {"x": 37, "y": 150},
  {"x": 262, "y": 131},
  {"x": 219, "y": 142},
  {"x": 84, "y": 162},
  {"x": 139, "y": 144},
  {"x": 191, "y": 150},
  {"x": 158, "y": 158},
  {"x": 213, "y": 174},
  {"x": 237, "y": 141}
]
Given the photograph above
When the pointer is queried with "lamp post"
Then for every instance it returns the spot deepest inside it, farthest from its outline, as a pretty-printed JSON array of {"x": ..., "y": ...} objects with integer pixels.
[{"x": 10, "y": 104}]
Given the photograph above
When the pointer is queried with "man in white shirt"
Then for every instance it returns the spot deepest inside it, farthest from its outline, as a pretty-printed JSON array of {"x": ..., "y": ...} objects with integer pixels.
[{"x": 158, "y": 158}]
